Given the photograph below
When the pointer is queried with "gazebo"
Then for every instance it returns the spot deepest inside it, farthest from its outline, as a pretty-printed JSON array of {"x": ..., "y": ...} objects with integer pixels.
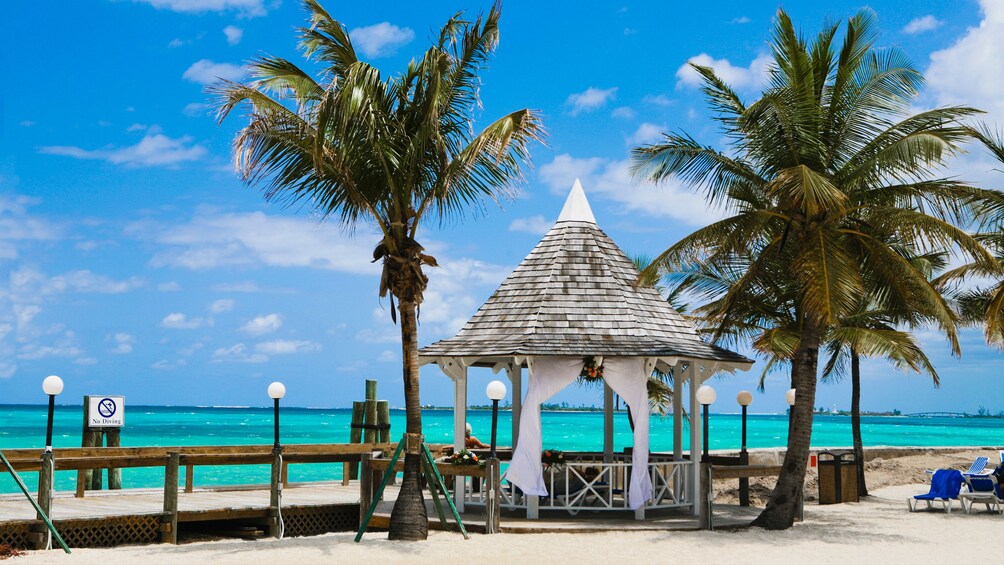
[{"x": 574, "y": 297}]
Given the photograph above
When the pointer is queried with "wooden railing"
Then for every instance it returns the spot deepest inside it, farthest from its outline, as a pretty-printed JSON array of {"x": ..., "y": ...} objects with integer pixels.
[
  {"x": 95, "y": 458},
  {"x": 172, "y": 459}
]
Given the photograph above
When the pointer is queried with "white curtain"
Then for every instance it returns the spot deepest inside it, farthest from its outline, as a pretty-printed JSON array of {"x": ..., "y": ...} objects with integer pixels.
[
  {"x": 548, "y": 375},
  {"x": 628, "y": 377}
]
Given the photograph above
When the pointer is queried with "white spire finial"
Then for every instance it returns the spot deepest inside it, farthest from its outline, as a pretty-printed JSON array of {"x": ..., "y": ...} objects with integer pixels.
[{"x": 576, "y": 206}]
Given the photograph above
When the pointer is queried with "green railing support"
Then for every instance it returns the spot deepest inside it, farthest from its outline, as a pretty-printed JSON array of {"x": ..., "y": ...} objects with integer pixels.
[
  {"x": 446, "y": 493},
  {"x": 31, "y": 499},
  {"x": 379, "y": 494}
]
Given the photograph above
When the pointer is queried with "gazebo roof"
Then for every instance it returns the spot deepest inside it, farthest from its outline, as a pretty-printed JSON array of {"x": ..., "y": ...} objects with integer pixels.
[{"x": 575, "y": 294}]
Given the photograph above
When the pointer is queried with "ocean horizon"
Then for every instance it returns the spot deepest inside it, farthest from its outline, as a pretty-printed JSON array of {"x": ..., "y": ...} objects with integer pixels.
[{"x": 23, "y": 426}]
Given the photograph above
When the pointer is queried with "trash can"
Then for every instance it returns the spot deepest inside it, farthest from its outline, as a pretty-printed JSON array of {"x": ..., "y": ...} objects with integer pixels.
[{"x": 838, "y": 477}]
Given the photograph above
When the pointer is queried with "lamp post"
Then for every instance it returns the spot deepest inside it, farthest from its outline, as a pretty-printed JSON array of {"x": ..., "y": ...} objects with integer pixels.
[
  {"x": 744, "y": 398},
  {"x": 495, "y": 391},
  {"x": 52, "y": 386},
  {"x": 706, "y": 397},
  {"x": 276, "y": 391}
]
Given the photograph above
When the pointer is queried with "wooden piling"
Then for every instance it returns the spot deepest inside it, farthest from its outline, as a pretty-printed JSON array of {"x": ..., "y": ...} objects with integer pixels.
[
  {"x": 114, "y": 439},
  {"x": 189, "y": 478},
  {"x": 356, "y": 435},
  {"x": 371, "y": 411},
  {"x": 169, "y": 520},
  {"x": 383, "y": 420}
]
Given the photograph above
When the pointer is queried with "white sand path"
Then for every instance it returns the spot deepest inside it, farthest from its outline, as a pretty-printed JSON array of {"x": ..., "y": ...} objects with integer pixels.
[{"x": 879, "y": 530}]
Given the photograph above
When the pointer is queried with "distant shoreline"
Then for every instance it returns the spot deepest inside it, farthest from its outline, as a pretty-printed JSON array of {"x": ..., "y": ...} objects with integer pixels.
[{"x": 544, "y": 408}]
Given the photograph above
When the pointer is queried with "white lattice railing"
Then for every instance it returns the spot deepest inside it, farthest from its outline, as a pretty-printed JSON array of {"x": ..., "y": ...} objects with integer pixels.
[{"x": 585, "y": 482}]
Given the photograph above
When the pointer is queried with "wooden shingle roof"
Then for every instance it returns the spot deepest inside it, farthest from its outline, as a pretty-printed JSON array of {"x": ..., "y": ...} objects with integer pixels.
[{"x": 575, "y": 294}]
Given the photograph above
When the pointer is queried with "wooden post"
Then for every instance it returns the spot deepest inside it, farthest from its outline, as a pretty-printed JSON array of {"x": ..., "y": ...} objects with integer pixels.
[
  {"x": 114, "y": 439},
  {"x": 371, "y": 411},
  {"x": 608, "y": 424},
  {"x": 493, "y": 507},
  {"x": 86, "y": 440},
  {"x": 44, "y": 497},
  {"x": 275, "y": 493},
  {"x": 356, "y": 434},
  {"x": 707, "y": 495},
  {"x": 98, "y": 441},
  {"x": 169, "y": 521},
  {"x": 383, "y": 419},
  {"x": 189, "y": 478},
  {"x": 365, "y": 486}
]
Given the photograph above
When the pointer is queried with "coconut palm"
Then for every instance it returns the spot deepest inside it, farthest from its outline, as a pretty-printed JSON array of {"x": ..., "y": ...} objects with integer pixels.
[
  {"x": 352, "y": 146},
  {"x": 826, "y": 173},
  {"x": 978, "y": 292}
]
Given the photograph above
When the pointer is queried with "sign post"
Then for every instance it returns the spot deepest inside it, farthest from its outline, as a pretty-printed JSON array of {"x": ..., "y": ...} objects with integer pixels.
[{"x": 104, "y": 417}]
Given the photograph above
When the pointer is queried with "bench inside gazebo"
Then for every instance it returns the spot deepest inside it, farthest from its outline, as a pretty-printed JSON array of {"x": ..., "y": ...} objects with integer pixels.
[{"x": 574, "y": 300}]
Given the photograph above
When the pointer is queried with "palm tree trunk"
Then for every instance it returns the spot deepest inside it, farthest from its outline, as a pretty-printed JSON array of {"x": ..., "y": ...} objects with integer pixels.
[
  {"x": 786, "y": 498},
  {"x": 859, "y": 450},
  {"x": 408, "y": 520}
]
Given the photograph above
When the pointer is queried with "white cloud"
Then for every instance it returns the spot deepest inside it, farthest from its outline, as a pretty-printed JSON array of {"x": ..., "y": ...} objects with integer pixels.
[
  {"x": 381, "y": 39},
  {"x": 234, "y": 34},
  {"x": 27, "y": 123},
  {"x": 740, "y": 20},
  {"x": 456, "y": 290},
  {"x": 17, "y": 226},
  {"x": 646, "y": 133},
  {"x": 658, "y": 100},
  {"x": 238, "y": 353},
  {"x": 263, "y": 324},
  {"x": 176, "y": 42},
  {"x": 950, "y": 76},
  {"x": 590, "y": 99},
  {"x": 537, "y": 225},
  {"x": 155, "y": 149},
  {"x": 247, "y": 8},
  {"x": 245, "y": 286},
  {"x": 179, "y": 321},
  {"x": 123, "y": 343},
  {"x": 85, "y": 361},
  {"x": 195, "y": 109},
  {"x": 33, "y": 351},
  {"x": 205, "y": 71},
  {"x": 740, "y": 78},
  {"x": 623, "y": 112},
  {"x": 919, "y": 25},
  {"x": 285, "y": 347},
  {"x": 86, "y": 281},
  {"x": 222, "y": 240},
  {"x": 221, "y": 305},
  {"x": 611, "y": 180},
  {"x": 170, "y": 286},
  {"x": 388, "y": 356}
]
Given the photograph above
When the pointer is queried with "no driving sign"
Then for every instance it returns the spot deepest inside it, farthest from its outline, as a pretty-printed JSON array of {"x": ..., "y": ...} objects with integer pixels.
[{"x": 105, "y": 411}]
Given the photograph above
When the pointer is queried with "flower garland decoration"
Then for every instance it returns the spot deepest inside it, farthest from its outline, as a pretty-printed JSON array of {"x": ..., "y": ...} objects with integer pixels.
[
  {"x": 464, "y": 457},
  {"x": 552, "y": 458},
  {"x": 592, "y": 368}
]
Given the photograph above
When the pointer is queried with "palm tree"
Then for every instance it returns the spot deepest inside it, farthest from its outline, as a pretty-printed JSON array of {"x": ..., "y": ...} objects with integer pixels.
[
  {"x": 827, "y": 172},
  {"x": 982, "y": 302},
  {"x": 352, "y": 146}
]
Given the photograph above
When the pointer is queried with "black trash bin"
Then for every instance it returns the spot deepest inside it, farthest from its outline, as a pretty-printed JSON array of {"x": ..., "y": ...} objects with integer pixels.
[{"x": 838, "y": 476}]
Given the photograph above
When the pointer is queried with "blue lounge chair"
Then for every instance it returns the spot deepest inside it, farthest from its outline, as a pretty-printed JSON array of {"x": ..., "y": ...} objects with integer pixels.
[
  {"x": 945, "y": 487},
  {"x": 983, "y": 489},
  {"x": 979, "y": 466}
]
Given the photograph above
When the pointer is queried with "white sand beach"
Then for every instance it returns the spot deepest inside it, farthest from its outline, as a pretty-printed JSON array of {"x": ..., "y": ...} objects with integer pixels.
[{"x": 877, "y": 530}]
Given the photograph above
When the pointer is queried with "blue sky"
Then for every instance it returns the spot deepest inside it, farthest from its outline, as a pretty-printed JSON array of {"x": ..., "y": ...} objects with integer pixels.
[{"x": 133, "y": 261}]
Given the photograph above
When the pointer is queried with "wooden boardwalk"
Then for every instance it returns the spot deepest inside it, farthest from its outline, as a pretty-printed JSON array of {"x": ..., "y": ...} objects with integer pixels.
[{"x": 201, "y": 504}]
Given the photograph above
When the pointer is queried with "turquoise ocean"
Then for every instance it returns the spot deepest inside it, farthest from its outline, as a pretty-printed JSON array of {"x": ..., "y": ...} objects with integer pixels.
[{"x": 23, "y": 426}]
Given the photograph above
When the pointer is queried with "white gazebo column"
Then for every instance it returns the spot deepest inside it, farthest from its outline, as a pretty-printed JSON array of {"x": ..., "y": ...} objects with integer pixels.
[
  {"x": 608, "y": 424},
  {"x": 693, "y": 485},
  {"x": 515, "y": 374},
  {"x": 678, "y": 378},
  {"x": 456, "y": 369}
]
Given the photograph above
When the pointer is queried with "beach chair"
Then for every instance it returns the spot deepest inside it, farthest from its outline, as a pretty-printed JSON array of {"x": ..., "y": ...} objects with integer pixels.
[
  {"x": 945, "y": 487},
  {"x": 979, "y": 467},
  {"x": 983, "y": 489}
]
